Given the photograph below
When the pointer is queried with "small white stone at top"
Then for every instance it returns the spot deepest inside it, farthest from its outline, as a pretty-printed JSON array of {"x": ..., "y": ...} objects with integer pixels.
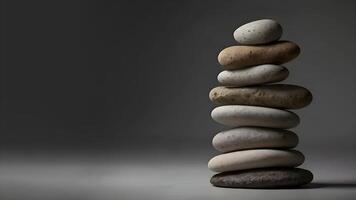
[{"x": 258, "y": 32}]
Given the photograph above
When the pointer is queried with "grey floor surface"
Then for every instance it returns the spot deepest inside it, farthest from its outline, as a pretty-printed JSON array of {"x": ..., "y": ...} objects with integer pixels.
[{"x": 154, "y": 176}]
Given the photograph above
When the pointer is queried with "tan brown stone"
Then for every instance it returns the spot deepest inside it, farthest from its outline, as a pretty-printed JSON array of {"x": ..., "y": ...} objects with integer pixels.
[
  {"x": 277, "y": 96},
  {"x": 237, "y": 57}
]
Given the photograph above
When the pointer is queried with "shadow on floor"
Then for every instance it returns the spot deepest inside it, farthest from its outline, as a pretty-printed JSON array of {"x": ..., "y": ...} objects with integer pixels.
[
  {"x": 330, "y": 184},
  {"x": 317, "y": 185},
  {"x": 313, "y": 185}
]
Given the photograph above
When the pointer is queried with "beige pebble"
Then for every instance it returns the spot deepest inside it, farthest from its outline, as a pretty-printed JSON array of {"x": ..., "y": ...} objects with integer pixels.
[
  {"x": 277, "y": 96},
  {"x": 237, "y": 57}
]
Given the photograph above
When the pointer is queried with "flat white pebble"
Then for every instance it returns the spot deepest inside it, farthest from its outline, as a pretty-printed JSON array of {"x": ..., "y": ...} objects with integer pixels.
[
  {"x": 254, "y": 138},
  {"x": 255, "y": 75},
  {"x": 257, "y": 158},
  {"x": 238, "y": 115}
]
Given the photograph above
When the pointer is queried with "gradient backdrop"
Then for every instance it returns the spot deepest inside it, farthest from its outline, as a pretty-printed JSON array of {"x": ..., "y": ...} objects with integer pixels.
[{"x": 113, "y": 96}]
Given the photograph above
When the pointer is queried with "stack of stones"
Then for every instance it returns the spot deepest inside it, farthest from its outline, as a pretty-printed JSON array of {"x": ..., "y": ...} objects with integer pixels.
[{"x": 257, "y": 150}]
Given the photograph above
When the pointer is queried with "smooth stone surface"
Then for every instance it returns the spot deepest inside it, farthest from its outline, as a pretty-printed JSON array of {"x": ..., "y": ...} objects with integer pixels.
[
  {"x": 237, "y": 115},
  {"x": 255, "y": 75},
  {"x": 238, "y": 57},
  {"x": 257, "y": 158},
  {"x": 277, "y": 96},
  {"x": 258, "y": 32},
  {"x": 263, "y": 178},
  {"x": 254, "y": 138}
]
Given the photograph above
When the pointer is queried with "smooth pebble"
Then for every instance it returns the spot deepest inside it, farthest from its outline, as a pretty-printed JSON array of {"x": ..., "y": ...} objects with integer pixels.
[
  {"x": 260, "y": 74},
  {"x": 258, "y": 32},
  {"x": 238, "y": 57},
  {"x": 263, "y": 178},
  {"x": 256, "y": 158},
  {"x": 277, "y": 96},
  {"x": 238, "y": 115},
  {"x": 254, "y": 138}
]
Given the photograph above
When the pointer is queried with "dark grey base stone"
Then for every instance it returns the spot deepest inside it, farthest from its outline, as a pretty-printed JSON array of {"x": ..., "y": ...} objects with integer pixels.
[{"x": 263, "y": 178}]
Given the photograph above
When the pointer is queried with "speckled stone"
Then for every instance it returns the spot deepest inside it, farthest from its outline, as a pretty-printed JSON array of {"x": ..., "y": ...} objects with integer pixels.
[
  {"x": 237, "y": 57},
  {"x": 237, "y": 115},
  {"x": 277, "y": 96},
  {"x": 258, "y": 32},
  {"x": 256, "y": 158},
  {"x": 254, "y": 138},
  {"x": 263, "y": 178},
  {"x": 255, "y": 75}
]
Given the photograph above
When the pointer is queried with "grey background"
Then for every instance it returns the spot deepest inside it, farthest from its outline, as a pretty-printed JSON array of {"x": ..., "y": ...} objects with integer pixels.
[{"x": 122, "y": 87}]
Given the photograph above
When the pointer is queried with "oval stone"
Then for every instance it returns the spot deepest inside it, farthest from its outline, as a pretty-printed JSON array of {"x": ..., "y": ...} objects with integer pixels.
[
  {"x": 277, "y": 96},
  {"x": 263, "y": 178},
  {"x": 258, "y": 32},
  {"x": 255, "y": 75},
  {"x": 237, "y": 57},
  {"x": 237, "y": 115},
  {"x": 257, "y": 158},
  {"x": 254, "y": 138}
]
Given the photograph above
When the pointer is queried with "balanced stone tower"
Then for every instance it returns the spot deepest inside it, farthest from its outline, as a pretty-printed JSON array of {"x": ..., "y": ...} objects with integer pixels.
[{"x": 257, "y": 152}]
